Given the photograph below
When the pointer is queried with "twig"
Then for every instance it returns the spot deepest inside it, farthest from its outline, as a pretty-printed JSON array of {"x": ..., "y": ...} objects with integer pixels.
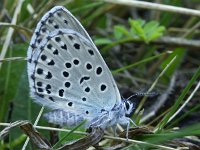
[
  {"x": 139, "y": 142},
  {"x": 107, "y": 137},
  {"x": 10, "y": 31},
  {"x": 174, "y": 41},
  {"x": 49, "y": 128},
  {"x": 35, "y": 123},
  {"x": 13, "y": 59},
  {"x": 16, "y": 27},
  {"x": 181, "y": 30},
  {"x": 191, "y": 30},
  {"x": 169, "y": 41},
  {"x": 155, "y": 6}
]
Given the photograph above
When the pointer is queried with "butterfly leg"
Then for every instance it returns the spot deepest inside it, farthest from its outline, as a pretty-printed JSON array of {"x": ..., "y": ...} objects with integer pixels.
[
  {"x": 99, "y": 122},
  {"x": 128, "y": 126},
  {"x": 130, "y": 120},
  {"x": 127, "y": 129},
  {"x": 114, "y": 128}
]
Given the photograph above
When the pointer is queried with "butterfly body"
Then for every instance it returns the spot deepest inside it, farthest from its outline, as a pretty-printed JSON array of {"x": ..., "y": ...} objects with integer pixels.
[
  {"x": 68, "y": 74},
  {"x": 111, "y": 118}
]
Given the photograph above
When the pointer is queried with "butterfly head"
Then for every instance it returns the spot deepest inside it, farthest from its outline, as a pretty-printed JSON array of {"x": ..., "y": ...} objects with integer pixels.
[{"x": 129, "y": 107}]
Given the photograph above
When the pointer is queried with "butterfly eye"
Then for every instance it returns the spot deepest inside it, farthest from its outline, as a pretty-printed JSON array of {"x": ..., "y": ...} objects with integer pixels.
[{"x": 129, "y": 106}]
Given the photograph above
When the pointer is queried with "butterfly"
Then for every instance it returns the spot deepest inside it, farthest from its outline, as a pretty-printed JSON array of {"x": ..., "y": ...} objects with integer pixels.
[{"x": 68, "y": 75}]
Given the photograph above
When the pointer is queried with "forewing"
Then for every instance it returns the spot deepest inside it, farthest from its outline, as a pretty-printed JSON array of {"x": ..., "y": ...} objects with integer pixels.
[{"x": 57, "y": 18}]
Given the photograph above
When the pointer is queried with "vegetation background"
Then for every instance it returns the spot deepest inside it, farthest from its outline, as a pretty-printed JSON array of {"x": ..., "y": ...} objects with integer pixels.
[{"x": 149, "y": 49}]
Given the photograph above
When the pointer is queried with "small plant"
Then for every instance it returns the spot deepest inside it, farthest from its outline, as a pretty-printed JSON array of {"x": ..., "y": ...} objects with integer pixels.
[{"x": 139, "y": 30}]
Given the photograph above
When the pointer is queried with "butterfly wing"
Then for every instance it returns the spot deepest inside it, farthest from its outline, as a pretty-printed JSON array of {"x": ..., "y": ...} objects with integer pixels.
[
  {"x": 63, "y": 118},
  {"x": 66, "y": 71},
  {"x": 57, "y": 18}
]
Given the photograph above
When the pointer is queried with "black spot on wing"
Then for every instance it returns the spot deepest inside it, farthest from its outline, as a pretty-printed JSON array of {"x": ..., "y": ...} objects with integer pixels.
[{"x": 84, "y": 78}]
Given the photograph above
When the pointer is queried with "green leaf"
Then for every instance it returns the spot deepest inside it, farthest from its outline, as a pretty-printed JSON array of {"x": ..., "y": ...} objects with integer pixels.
[
  {"x": 150, "y": 27},
  {"x": 120, "y": 31},
  {"x": 153, "y": 30},
  {"x": 158, "y": 33},
  {"x": 137, "y": 29},
  {"x": 102, "y": 41}
]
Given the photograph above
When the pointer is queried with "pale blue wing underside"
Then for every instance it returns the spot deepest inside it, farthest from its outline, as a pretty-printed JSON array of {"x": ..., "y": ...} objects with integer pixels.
[
  {"x": 63, "y": 118},
  {"x": 66, "y": 71}
]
